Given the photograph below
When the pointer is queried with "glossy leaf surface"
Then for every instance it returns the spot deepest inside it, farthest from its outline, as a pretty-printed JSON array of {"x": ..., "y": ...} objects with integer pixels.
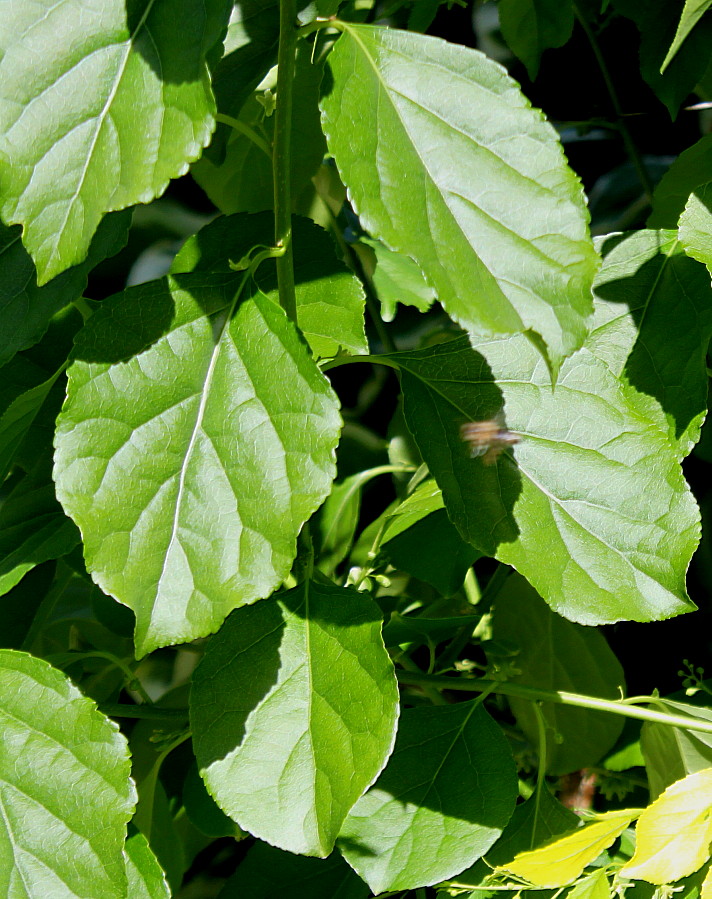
[
  {"x": 591, "y": 508},
  {"x": 55, "y": 841},
  {"x": 145, "y": 878},
  {"x": 443, "y": 799},
  {"x": 188, "y": 467},
  {"x": 131, "y": 96},
  {"x": 556, "y": 654},
  {"x": 696, "y": 225},
  {"x": 421, "y": 103},
  {"x": 313, "y": 660}
]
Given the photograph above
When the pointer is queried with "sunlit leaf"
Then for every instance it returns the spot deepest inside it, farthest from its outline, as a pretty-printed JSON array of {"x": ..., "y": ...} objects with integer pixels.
[
  {"x": 330, "y": 299},
  {"x": 696, "y": 225},
  {"x": 56, "y": 841},
  {"x": 673, "y": 834},
  {"x": 217, "y": 464},
  {"x": 131, "y": 107},
  {"x": 313, "y": 662},
  {"x": 145, "y": 878},
  {"x": 594, "y": 886},
  {"x": 591, "y": 508},
  {"x": 647, "y": 293},
  {"x": 445, "y": 143},
  {"x": 443, "y": 799},
  {"x": 692, "y": 168},
  {"x": 561, "y": 861}
]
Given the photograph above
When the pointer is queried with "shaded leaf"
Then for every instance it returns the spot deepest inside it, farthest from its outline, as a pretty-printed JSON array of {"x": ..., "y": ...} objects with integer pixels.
[
  {"x": 132, "y": 107},
  {"x": 202, "y": 809},
  {"x": 691, "y": 14},
  {"x": 556, "y": 654},
  {"x": 657, "y": 20},
  {"x": 313, "y": 660},
  {"x": 692, "y": 168},
  {"x": 270, "y": 873},
  {"x": 250, "y": 52},
  {"x": 531, "y": 26},
  {"x": 538, "y": 820},
  {"x": 422, "y": 103},
  {"x": 671, "y": 753},
  {"x": 592, "y": 507},
  {"x": 217, "y": 463},
  {"x": 54, "y": 736},
  {"x": 330, "y": 299},
  {"x": 673, "y": 834},
  {"x": 648, "y": 291},
  {"x": 33, "y": 528},
  {"x": 18, "y": 418},
  {"x": 25, "y": 308},
  {"x": 242, "y": 180},
  {"x": 445, "y": 796},
  {"x": 560, "y": 861}
]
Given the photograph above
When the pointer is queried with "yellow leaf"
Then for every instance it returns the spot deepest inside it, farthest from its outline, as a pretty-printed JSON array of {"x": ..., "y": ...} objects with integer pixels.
[
  {"x": 706, "y": 888},
  {"x": 561, "y": 860},
  {"x": 674, "y": 833}
]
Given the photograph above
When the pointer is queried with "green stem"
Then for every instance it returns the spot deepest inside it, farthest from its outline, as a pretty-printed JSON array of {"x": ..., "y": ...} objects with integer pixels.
[
  {"x": 84, "y": 308},
  {"x": 281, "y": 155},
  {"x": 349, "y": 360},
  {"x": 560, "y": 697},
  {"x": 628, "y": 142},
  {"x": 249, "y": 133},
  {"x": 541, "y": 771}
]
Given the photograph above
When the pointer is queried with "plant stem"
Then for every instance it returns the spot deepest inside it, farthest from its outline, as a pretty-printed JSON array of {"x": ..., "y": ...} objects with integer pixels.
[
  {"x": 614, "y": 706},
  {"x": 281, "y": 155},
  {"x": 125, "y": 710},
  {"x": 628, "y": 142}
]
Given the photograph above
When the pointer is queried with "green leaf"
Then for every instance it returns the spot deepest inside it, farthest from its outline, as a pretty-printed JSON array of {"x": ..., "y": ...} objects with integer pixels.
[
  {"x": 593, "y": 886},
  {"x": 444, "y": 798},
  {"x": 691, "y": 14},
  {"x": 560, "y": 861},
  {"x": 692, "y": 168},
  {"x": 538, "y": 820},
  {"x": 312, "y": 659},
  {"x": 672, "y": 753},
  {"x": 25, "y": 308},
  {"x": 268, "y": 873},
  {"x": 145, "y": 878},
  {"x": 19, "y": 606},
  {"x": 419, "y": 538},
  {"x": 102, "y": 121},
  {"x": 396, "y": 279},
  {"x": 250, "y": 52},
  {"x": 657, "y": 21},
  {"x": 336, "y": 521},
  {"x": 591, "y": 507},
  {"x": 242, "y": 180},
  {"x": 421, "y": 104},
  {"x": 202, "y": 809},
  {"x": 556, "y": 654},
  {"x": 531, "y": 26},
  {"x": 417, "y": 629},
  {"x": 188, "y": 365},
  {"x": 673, "y": 834},
  {"x": 696, "y": 225},
  {"x": 18, "y": 418},
  {"x": 648, "y": 291},
  {"x": 54, "y": 840},
  {"x": 330, "y": 299},
  {"x": 33, "y": 528}
]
